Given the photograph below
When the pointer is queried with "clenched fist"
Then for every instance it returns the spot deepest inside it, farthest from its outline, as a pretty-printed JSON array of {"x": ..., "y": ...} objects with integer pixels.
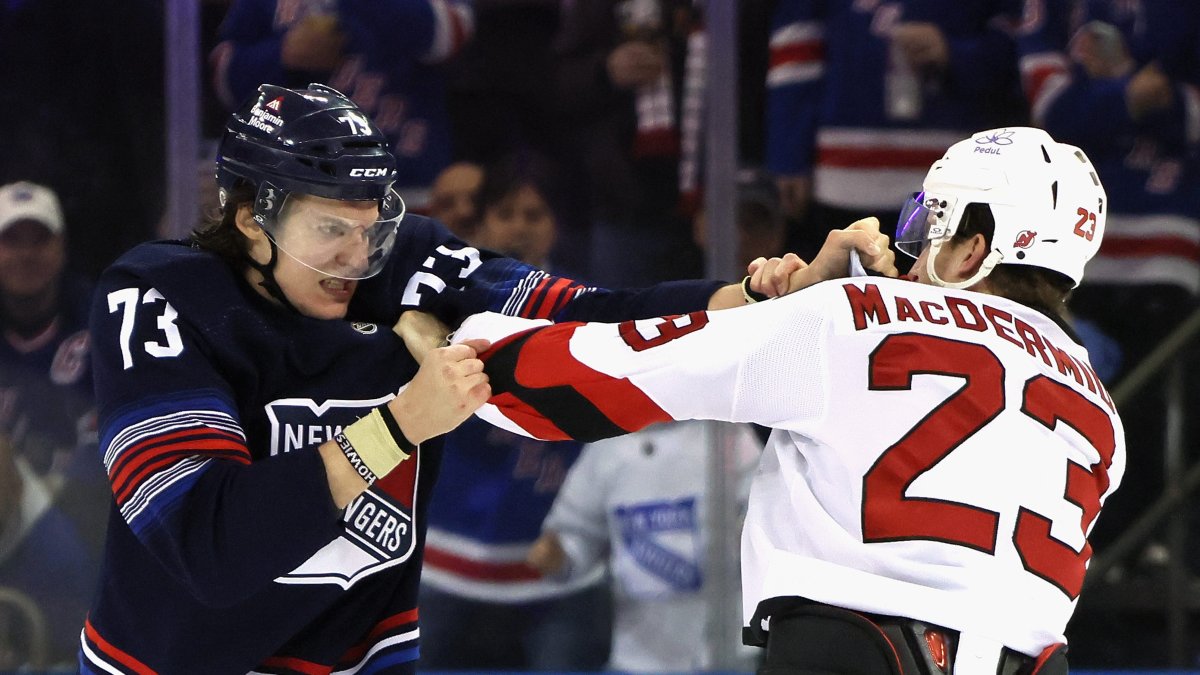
[{"x": 449, "y": 386}]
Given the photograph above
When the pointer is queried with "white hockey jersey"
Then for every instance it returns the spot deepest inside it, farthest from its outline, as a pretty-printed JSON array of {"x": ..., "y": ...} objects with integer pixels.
[
  {"x": 641, "y": 502},
  {"x": 938, "y": 454}
]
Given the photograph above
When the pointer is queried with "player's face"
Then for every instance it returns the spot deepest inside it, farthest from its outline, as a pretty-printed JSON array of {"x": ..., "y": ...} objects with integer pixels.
[
  {"x": 317, "y": 293},
  {"x": 31, "y": 258}
]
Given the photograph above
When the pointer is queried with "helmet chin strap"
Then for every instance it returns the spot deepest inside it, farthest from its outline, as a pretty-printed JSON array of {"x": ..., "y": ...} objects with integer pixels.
[
  {"x": 985, "y": 268},
  {"x": 268, "y": 273}
]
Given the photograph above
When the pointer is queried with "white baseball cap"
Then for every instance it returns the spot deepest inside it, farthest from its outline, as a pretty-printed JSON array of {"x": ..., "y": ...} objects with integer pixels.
[{"x": 30, "y": 201}]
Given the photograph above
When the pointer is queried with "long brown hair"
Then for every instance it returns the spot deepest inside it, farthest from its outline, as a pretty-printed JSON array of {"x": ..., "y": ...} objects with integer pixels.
[{"x": 220, "y": 234}]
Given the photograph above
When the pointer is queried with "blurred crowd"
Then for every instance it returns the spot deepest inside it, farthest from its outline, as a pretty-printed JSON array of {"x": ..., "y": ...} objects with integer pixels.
[{"x": 570, "y": 134}]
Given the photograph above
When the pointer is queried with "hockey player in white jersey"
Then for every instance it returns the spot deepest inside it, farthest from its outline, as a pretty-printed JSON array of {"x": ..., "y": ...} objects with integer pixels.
[{"x": 941, "y": 448}]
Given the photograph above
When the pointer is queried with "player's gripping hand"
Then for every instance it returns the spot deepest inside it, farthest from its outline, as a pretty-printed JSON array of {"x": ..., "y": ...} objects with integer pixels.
[
  {"x": 772, "y": 277},
  {"x": 449, "y": 386},
  {"x": 833, "y": 260},
  {"x": 422, "y": 333}
]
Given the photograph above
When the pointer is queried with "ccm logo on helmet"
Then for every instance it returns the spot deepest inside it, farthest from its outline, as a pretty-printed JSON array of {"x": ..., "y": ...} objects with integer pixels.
[{"x": 367, "y": 173}]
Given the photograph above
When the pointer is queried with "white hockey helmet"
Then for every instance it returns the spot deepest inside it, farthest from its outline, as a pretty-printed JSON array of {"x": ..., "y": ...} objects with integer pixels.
[{"x": 1045, "y": 197}]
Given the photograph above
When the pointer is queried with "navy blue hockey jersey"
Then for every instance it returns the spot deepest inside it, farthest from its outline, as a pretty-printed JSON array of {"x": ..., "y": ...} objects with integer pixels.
[
  {"x": 225, "y": 552},
  {"x": 1150, "y": 164}
]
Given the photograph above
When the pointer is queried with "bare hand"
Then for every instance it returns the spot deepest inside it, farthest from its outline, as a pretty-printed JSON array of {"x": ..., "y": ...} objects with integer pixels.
[
  {"x": 773, "y": 276},
  {"x": 314, "y": 43},
  {"x": 1148, "y": 91},
  {"x": 923, "y": 44},
  {"x": 635, "y": 64},
  {"x": 795, "y": 192},
  {"x": 447, "y": 389},
  {"x": 422, "y": 333},
  {"x": 547, "y": 555},
  {"x": 833, "y": 260}
]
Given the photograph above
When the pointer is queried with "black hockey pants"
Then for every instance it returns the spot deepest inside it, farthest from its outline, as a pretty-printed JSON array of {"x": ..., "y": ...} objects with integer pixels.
[{"x": 809, "y": 638}]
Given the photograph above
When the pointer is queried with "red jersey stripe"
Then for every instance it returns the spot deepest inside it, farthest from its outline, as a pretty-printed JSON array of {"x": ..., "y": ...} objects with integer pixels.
[
  {"x": 534, "y": 295},
  {"x": 476, "y": 569},
  {"x": 298, "y": 665},
  {"x": 551, "y": 299},
  {"x": 129, "y": 455},
  {"x": 355, "y": 653},
  {"x": 116, "y": 654},
  {"x": 617, "y": 398},
  {"x": 804, "y": 52},
  {"x": 879, "y": 157},
  {"x": 127, "y": 484},
  {"x": 528, "y": 418},
  {"x": 1176, "y": 247}
]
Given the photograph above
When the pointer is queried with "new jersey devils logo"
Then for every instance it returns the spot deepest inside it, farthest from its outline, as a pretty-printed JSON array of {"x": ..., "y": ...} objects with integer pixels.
[{"x": 1025, "y": 239}]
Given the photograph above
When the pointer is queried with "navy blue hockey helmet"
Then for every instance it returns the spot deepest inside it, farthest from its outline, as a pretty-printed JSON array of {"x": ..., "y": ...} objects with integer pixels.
[
  {"x": 288, "y": 143},
  {"x": 314, "y": 141}
]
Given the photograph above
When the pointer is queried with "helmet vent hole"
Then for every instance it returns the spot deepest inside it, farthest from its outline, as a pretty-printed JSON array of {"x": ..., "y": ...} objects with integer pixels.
[
  {"x": 1054, "y": 194},
  {"x": 1095, "y": 178},
  {"x": 1046, "y": 155}
]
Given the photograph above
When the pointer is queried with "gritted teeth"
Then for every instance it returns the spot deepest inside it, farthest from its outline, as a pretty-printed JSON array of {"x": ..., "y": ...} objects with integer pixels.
[{"x": 334, "y": 284}]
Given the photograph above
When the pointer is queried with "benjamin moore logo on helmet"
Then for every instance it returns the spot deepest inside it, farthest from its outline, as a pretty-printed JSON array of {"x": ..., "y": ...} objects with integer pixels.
[
  {"x": 276, "y": 104},
  {"x": 265, "y": 120}
]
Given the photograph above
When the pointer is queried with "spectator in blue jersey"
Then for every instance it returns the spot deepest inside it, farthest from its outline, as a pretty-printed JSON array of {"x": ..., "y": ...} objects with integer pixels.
[
  {"x": 46, "y": 384},
  {"x": 270, "y": 444},
  {"x": 386, "y": 55},
  {"x": 47, "y": 408},
  {"x": 864, "y": 96},
  {"x": 1120, "y": 79},
  {"x": 483, "y": 608}
]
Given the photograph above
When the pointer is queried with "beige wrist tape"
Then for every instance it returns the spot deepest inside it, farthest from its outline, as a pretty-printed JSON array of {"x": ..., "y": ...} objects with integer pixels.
[
  {"x": 374, "y": 447},
  {"x": 749, "y": 295}
]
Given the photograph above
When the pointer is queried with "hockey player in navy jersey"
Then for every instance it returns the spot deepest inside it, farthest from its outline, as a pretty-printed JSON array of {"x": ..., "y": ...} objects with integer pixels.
[
  {"x": 269, "y": 484},
  {"x": 940, "y": 450}
]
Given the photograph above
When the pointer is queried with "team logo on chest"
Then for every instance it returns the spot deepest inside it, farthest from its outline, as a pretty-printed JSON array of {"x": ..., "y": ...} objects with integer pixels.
[
  {"x": 70, "y": 361},
  {"x": 662, "y": 539},
  {"x": 379, "y": 527},
  {"x": 365, "y": 328}
]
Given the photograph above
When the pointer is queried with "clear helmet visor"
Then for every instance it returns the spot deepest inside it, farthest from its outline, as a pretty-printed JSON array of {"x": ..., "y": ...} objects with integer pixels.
[
  {"x": 347, "y": 240},
  {"x": 923, "y": 219}
]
